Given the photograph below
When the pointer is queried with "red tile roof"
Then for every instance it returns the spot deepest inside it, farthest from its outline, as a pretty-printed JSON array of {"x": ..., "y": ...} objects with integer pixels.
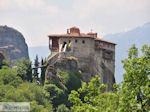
[
  {"x": 75, "y": 32},
  {"x": 70, "y": 35},
  {"x": 100, "y": 39}
]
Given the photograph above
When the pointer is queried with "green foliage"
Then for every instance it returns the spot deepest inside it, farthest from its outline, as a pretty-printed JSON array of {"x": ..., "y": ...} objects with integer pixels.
[
  {"x": 135, "y": 91},
  {"x": 8, "y": 76},
  {"x": 35, "y": 71},
  {"x": 57, "y": 89},
  {"x": 13, "y": 89},
  {"x": 6, "y": 63},
  {"x": 26, "y": 92},
  {"x": 43, "y": 70},
  {"x": 62, "y": 108},
  {"x": 24, "y": 69},
  {"x": 86, "y": 98},
  {"x": 55, "y": 94},
  {"x": 72, "y": 80}
]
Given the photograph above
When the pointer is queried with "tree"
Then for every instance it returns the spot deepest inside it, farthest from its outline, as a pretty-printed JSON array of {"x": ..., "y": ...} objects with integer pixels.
[
  {"x": 86, "y": 98},
  {"x": 35, "y": 71},
  {"x": 43, "y": 70},
  {"x": 6, "y": 63},
  {"x": 72, "y": 80},
  {"x": 55, "y": 94},
  {"x": 9, "y": 76},
  {"x": 24, "y": 69},
  {"x": 62, "y": 108},
  {"x": 26, "y": 92},
  {"x": 135, "y": 91}
]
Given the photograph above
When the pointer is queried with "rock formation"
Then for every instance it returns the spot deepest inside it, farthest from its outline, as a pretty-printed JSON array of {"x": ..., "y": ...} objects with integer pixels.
[
  {"x": 12, "y": 44},
  {"x": 62, "y": 63},
  {"x": 67, "y": 62}
]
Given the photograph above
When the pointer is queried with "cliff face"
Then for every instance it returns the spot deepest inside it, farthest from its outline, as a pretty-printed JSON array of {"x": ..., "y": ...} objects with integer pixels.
[
  {"x": 62, "y": 63},
  {"x": 12, "y": 44},
  {"x": 88, "y": 67}
]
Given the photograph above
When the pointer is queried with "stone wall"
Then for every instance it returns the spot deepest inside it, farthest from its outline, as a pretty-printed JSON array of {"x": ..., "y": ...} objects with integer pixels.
[
  {"x": 80, "y": 47},
  {"x": 104, "y": 67}
]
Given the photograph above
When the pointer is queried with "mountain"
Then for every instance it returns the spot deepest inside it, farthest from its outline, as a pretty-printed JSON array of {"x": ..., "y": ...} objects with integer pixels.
[
  {"x": 124, "y": 40},
  {"x": 12, "y": 44}
]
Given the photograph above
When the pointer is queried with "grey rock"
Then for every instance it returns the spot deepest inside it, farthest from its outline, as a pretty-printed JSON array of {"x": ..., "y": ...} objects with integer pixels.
[
  {"x": 65, "y": 64},
  {"x": 12, "y": 44}
]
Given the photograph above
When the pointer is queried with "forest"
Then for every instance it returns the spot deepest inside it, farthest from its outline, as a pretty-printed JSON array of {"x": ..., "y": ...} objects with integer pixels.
[{"x": 21, "y": 83}]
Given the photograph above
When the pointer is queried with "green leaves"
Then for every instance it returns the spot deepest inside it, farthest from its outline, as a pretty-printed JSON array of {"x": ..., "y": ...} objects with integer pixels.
[
  {"x": 8, "y": 76},
  {"x": 87, "y": 98},
  {"x": 55, "y": 94},
  {"x": 24, "y": 69},
  {"x": 136, "y": 79}
]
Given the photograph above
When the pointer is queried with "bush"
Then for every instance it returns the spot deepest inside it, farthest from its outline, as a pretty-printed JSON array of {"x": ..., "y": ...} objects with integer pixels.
[
  {"x": 72, "y": 79},
  {"x": 55, "y": 94},
  {"x": 9, "y": 76},
  {"x": 62, "y": 108}
]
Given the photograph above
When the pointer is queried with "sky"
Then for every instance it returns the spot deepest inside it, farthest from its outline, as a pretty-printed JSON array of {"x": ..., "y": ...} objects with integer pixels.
[{"x": 35, "y": 19}]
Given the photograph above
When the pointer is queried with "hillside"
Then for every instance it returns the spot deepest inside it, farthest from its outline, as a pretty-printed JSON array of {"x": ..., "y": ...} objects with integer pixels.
[{"x": 138, "y": 36}]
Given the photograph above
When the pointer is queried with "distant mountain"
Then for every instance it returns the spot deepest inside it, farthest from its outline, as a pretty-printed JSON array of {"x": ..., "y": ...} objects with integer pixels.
[
  {"x": 12, "y": 44},
  {"x": 41, "y": 51},
  {"x": 124, "y": 40}
]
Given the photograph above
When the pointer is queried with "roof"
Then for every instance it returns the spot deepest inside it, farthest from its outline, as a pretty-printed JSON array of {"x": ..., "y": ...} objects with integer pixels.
[
  {"x": 75, "y": 32},
  {"x": 71, "y": 35},
  {"x": 100, "y": 39}
]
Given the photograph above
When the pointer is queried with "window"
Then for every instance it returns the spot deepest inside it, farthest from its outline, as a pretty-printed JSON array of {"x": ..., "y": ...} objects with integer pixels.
[
  {"x": 83, "y": 41},
  {"x": 76, "y": 41}
]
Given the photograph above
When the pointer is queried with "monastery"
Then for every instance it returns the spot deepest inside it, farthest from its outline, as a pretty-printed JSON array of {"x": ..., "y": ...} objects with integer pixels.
[{"x": 95, "y": 55}]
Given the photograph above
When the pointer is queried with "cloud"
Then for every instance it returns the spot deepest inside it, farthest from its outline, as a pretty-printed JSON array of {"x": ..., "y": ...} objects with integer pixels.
[
  {"x": 38, "y": 18},
  {"x": 4, "y": 3},
  {"x": 26, "y": 5},
  {"x": 110, "y": 7}
]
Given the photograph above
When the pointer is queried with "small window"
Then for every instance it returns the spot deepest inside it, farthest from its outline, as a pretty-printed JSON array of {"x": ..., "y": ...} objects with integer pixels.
[
  {"x": 76, "y": 41},
  {"x": 83, "y": 41}
]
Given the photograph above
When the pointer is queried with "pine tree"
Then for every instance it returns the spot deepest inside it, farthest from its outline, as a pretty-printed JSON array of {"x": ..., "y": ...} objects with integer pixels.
[
  {"x": 43, "y": 69},
  {"x": 35, "y": 71},
  {"x": 29, "y": 72}
]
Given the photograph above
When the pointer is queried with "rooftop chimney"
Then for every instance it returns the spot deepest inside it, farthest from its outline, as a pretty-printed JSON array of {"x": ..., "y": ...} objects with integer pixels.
[
  {"x": 68, "y": 31},
  {"x": 75, "y": 30},
  {"x": 92, "y": 34}
]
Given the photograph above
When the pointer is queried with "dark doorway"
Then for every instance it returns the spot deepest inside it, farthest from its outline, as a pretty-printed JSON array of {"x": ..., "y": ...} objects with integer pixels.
[{"x": 64, "y": 44}]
